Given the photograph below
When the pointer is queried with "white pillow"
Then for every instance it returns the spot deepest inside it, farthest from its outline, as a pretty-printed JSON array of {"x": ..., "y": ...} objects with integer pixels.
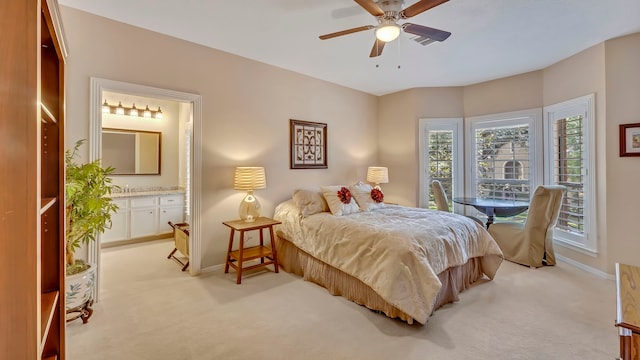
[
  {"x": 309, "y": 201},
  {"x": 364, "y": 197},
  {"x": 335, "y": 203}
]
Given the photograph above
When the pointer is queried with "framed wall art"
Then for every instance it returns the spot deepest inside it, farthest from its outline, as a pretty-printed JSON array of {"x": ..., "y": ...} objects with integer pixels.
[
  {"x": 630, "y": 139},
  {"x": 308, "y": 144}
]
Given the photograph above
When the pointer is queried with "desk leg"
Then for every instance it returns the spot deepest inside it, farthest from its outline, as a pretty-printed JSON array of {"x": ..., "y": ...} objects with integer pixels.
[
  {"x": 489, "y": 220},
  {"x": 240, "y": 257},
  {"x": 226, "y": 265},
  {"x": 273, "y": 248},
  {"x": 490, "y": 216}
]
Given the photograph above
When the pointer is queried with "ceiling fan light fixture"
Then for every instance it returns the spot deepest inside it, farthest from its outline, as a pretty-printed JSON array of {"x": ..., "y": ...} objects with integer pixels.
[{"x": 387, "y": 32}]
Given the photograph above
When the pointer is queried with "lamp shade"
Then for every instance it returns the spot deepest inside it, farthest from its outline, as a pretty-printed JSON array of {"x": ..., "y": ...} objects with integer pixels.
[
  {"x": 378, "y": 175},
  {"x": 249, "y": 178}
]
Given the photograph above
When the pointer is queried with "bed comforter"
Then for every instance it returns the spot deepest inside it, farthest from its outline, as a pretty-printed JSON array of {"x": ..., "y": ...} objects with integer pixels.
[{"x": 398, "y": 251}]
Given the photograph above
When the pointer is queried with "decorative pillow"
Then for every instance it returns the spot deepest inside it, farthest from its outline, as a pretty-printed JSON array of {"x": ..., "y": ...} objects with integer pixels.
[
  {"x": 340, "y": 200},
  {"x": 367, "y": 197},
  {"x": 309, "y": 201}
]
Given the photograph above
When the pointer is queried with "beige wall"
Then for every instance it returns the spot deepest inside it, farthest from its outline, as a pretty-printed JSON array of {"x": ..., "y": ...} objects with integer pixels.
[
  {"x": 398, "y": 140},
  {"x": 247, "y": 105},
  {"x": 398, "y": 116},
  {"x": 622, "y": 173},
  {"x": 513, "y": 93},
  {"x": 576, "y": 76},
  {"x": 609, "y": 70},
  {"x": 246, "y": 110},
  {"x": 167, "y": 126}
]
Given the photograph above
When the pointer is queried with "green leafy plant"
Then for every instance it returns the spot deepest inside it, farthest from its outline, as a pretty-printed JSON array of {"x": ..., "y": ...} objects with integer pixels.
[{"x": 88, "y": 204}]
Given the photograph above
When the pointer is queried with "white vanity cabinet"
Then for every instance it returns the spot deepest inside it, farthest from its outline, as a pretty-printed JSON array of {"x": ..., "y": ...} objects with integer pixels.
[
  {"x": 144, "y": 216},
  {"x": 119, "y": 223},
  {"x": 171, "y": 209}
]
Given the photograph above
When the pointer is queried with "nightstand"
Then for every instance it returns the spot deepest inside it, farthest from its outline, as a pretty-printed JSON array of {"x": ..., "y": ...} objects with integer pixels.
[{"x": 236, "y": 258}]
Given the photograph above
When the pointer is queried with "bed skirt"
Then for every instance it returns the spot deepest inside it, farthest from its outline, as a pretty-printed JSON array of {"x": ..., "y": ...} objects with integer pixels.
[{"x": 293, "y": 260}]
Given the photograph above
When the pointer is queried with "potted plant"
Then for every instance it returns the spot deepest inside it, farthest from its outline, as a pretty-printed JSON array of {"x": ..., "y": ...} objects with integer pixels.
[{"x": 88, "y": 213}]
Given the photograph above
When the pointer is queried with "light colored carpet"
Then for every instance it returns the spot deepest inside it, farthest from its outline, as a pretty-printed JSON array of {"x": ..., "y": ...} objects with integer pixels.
[{"x": 151, "y": 310}]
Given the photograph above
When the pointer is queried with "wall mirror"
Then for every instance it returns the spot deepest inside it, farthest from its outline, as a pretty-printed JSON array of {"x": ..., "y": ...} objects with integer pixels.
[{"x": 131, "y": 152}]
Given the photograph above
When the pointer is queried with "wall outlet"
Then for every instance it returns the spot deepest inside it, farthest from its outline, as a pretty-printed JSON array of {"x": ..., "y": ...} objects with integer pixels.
[{"x": 250, "y": 240}]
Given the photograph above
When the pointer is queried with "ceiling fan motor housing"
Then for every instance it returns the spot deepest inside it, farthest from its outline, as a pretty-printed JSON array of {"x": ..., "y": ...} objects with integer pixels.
[{"x": 391, "y": 9}]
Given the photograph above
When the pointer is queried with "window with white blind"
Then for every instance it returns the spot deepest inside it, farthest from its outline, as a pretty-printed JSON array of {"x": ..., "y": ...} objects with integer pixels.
[
  {"x": 504, "y": 155},
  {"x": 569, "y": 156},
  {"x": 441, "y": 158}
]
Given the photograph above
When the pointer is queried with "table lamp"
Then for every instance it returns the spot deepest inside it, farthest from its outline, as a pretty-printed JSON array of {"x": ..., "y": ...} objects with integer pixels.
[
  {"x": 249, "y": 179},
  {"x": 377, "y": 175}
]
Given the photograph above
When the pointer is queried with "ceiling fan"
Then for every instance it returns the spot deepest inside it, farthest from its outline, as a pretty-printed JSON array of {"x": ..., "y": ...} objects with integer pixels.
[{"x": 388, "y": 13}]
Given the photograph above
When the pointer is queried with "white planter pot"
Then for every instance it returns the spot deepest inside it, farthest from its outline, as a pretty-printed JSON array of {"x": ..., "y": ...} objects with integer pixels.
[{"x": 78, "y": 288}]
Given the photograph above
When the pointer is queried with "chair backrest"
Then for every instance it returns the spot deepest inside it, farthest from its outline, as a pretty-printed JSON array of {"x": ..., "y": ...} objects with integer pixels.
[
  {"x": 544, "y": 211},
  {"x": 440, "y": 196}
]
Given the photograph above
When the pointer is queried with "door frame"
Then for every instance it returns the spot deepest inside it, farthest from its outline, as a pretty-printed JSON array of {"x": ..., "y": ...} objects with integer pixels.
[{"x": 97, "y": 86}]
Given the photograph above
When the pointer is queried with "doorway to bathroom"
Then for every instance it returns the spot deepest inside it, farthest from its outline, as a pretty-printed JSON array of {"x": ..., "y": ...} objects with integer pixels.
[{"x": 174, "y": 120}]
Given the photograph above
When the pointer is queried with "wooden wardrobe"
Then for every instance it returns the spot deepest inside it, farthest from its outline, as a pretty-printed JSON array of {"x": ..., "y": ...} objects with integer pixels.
[{"x": 32, "y": 269}]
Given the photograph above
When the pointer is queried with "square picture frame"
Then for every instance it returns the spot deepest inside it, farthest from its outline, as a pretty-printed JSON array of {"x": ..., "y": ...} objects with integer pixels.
[
  {"x": 308, "y": 144},
  {"x": 630, "y": 139}
]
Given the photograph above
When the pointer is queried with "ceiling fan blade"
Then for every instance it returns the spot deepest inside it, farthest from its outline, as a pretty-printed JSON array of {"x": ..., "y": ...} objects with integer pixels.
[
  {"x": 371, "y": 7},
  {"x": 378, "y": 46},
  {"x": 426, "y": 32},
  {"x": 346, "y": 32},
  {"x": 420, "y": 7}
]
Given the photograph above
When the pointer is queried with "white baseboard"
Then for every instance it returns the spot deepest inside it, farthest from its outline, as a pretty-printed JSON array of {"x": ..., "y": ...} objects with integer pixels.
[
  {"x": 211, "y": 269},
  {"x": 586, "y": 268}
]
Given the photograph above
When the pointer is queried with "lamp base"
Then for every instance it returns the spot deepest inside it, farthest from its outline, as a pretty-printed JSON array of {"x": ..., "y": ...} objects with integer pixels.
[{"x": 249, "y": 208}]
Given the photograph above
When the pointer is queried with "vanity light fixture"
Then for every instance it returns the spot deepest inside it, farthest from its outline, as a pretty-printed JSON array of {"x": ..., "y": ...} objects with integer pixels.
[
  {"x": 120, "y": 109},
  {"x": 131, "y": 111}
]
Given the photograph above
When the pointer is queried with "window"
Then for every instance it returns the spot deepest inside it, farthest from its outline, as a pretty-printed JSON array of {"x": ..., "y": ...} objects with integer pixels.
[
  {"x": 502, "y": 160},
  {"x": 568, "y": 141},
  {"x": 513, "y": 170},
  {"x": 440, "y": 158}
]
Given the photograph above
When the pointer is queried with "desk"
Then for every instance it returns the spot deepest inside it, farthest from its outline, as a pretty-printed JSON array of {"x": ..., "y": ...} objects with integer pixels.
[
  {"x": 628, "y": 310},
  {"x": 494, "y": 207},
  {"x": 236, "y": 258}
]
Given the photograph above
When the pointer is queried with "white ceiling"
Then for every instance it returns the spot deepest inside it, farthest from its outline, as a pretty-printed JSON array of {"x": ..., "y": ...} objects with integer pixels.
[{"x": 490, "y": 38}]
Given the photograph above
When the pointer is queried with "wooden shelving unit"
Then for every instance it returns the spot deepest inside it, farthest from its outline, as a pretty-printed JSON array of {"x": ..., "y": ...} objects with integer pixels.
[
  {"x": 32, "y": 173},
  {"x": 628, "y": 310}
]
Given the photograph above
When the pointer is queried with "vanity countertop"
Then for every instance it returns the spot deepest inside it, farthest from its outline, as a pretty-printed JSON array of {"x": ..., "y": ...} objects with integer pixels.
[{"x": 134, "y": 193}]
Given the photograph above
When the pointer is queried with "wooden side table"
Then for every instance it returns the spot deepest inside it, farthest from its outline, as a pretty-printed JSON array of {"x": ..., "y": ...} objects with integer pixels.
[{"x": 235, "y": 258}]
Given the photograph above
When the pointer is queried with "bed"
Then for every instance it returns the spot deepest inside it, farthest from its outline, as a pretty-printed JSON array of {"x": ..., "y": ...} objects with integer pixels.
[{"x": 401, "y": 261}]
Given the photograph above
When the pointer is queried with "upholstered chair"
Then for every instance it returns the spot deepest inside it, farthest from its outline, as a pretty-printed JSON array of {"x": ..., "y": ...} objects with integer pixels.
[
  {"x": 440, "y": 196},
  {"x": 531, "y": 243},
  {"x": 441, "y": 200}
]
